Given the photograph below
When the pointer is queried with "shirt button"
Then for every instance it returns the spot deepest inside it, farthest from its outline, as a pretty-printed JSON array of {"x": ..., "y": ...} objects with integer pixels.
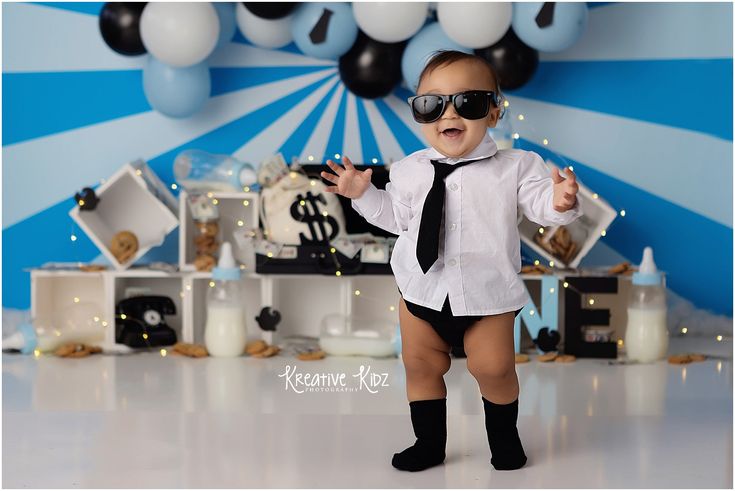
[
  {"x": 452, "y": 262},
  {"x": 453, "y": 187},
  {"x": 453, "y": 226}
]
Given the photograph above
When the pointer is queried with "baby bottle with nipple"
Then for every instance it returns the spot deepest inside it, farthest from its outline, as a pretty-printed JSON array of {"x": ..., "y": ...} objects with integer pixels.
[
  {"x": 225, "y": 331},
  {"x": 646, "y": 336}
]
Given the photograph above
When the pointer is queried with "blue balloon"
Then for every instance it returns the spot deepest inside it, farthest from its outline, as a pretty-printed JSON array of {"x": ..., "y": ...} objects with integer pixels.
[
  {"x": 420, "y": 48},
  {"x": 554, "y": 30},
  {"x": 176, "y": 92},
  {"x": 227, "y": 21},
  {"x": 312, "y": 21}
]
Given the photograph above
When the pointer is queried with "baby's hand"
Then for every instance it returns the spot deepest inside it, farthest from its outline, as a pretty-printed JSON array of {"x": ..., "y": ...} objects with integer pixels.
[
  {"x": 565, "y": 190},
  {"x": 350, "y": 182}
]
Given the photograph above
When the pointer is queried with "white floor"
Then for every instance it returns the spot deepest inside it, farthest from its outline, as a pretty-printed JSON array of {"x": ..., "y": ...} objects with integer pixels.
[{"x": 148, "y": 421}]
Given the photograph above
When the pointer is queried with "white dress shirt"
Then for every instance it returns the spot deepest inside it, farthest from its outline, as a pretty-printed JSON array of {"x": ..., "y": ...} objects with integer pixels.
[{"x": 479, "y": 244}]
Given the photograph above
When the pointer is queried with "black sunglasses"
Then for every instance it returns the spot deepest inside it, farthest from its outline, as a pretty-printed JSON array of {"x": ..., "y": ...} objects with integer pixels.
[{"x": 471, "y": 104}]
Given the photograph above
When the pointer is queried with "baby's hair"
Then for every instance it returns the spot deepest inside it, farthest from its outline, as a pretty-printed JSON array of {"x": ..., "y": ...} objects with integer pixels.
[{"x": 447, "y": 57}]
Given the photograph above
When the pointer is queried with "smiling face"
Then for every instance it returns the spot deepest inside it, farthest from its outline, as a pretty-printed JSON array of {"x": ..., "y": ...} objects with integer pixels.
[{"x": 451, "y": 134}]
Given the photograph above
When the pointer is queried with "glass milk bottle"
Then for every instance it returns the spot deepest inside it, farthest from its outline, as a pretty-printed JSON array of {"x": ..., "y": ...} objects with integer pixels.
[
  {"x": 646, "y": 336},
  {"x": 225, "y": 331},
  {"x": 197, "y": 170}
]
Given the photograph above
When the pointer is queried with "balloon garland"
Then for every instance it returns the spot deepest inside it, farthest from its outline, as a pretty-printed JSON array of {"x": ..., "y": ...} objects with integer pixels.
[{"x": 377, "y": 45}]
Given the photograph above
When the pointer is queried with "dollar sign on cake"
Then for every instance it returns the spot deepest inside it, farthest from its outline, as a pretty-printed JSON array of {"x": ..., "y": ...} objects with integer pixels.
[{"x": 309, "y": 213}]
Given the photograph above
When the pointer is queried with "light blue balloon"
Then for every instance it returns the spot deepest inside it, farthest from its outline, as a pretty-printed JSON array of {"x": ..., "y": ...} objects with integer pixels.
[
  {"x": 568, "y": 24},
  {"x": 227, "y": 21},
  {"x": 176, "y": 92},
  {"x": 341, "y": 31},
  {"x": 420, "y": 49}
]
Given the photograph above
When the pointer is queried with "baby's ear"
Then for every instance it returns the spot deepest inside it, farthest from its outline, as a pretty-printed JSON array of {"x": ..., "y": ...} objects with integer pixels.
[{"x": 492, "y": 117}]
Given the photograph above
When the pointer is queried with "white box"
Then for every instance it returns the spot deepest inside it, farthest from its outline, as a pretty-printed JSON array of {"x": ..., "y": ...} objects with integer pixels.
[
  {"x": 585, "y": 231},
  {"x": 132, "y": 199},
  {"x": 236, "y": 210}
]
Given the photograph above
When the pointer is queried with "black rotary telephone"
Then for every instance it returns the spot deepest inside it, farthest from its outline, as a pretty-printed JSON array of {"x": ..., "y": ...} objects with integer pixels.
[{"x": 144, "y": 315}]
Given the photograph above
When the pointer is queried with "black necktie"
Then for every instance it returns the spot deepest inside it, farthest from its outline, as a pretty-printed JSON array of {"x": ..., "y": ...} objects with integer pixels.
[{"x": 427, "y": 247}]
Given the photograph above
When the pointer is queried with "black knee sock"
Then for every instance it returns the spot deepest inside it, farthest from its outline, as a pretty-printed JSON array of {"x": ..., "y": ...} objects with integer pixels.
[
  {"x": 429, "y": 419},
  {"x": 502, "y": 435}
]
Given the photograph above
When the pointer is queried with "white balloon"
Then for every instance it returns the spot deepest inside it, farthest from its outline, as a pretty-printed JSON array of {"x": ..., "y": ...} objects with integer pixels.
[
  {"x": 266, "y": 33},
  {"x": 179, "y": 34},
  {"x": 390, "y": 22},
  {"x": 475, "y": 24}
]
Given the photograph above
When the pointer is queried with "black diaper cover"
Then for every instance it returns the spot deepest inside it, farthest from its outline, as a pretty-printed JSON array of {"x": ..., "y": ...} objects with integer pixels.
[{"x": 449, "y": 327}]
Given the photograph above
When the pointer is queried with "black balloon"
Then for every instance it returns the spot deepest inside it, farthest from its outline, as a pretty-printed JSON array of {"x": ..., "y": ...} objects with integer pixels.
[
  {"x": 514, "y": 61},
  {"x": 371, "y": 69},
  {"x": 120, "y": 27},
  {"x": 270, "y": 10}
]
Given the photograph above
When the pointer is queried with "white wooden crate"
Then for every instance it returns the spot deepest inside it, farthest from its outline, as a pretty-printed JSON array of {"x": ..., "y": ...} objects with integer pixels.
[
  {"x": 236, "y": 210},
  {"x": 132, "y": 199}
]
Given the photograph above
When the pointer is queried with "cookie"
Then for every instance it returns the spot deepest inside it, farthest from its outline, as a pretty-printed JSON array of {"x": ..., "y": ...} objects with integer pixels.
[
  {"x": 311, "y": 355},
  {"x": 619, "y": 268},
  {"x": 208, "y": 229},
  {"x": 697, "y": 357},
  {"x": 92, "y": 268},
  {"x": 565, "y": 359},
  {"x": 522, "y": 358},
  {"x": 76, "y": 350},
  {"x": 191, "y": 350},
  {"x": 124, "y": 246},
  {"x": 254, "y": 347},
  {"x": 547, "y": 357},
  {"x": 681, "y": 359},
  {"x": 204, "y": 262},
  {"x": 205, "y": 244},
  {"x": 268, "y": 352}
]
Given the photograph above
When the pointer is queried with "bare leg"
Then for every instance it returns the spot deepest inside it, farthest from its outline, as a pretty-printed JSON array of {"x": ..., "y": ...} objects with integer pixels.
[
  {"x": 491, "y": 357},
  {"x": 491, "y": 360},
  {"x": 426, "y": 359},
  {"x": 425, "y": 356}
]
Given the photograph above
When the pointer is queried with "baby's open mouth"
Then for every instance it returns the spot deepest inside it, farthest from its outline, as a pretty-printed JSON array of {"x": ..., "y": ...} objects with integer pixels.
[{"x": 452, "y": 132}]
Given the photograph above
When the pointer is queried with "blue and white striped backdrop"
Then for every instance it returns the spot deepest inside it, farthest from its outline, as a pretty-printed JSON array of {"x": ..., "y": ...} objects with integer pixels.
[{"x": 641, "y": 106}]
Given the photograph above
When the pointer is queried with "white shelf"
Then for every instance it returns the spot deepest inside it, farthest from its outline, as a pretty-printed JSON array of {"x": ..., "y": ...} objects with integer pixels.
[{"x": 232, "y": 210}]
